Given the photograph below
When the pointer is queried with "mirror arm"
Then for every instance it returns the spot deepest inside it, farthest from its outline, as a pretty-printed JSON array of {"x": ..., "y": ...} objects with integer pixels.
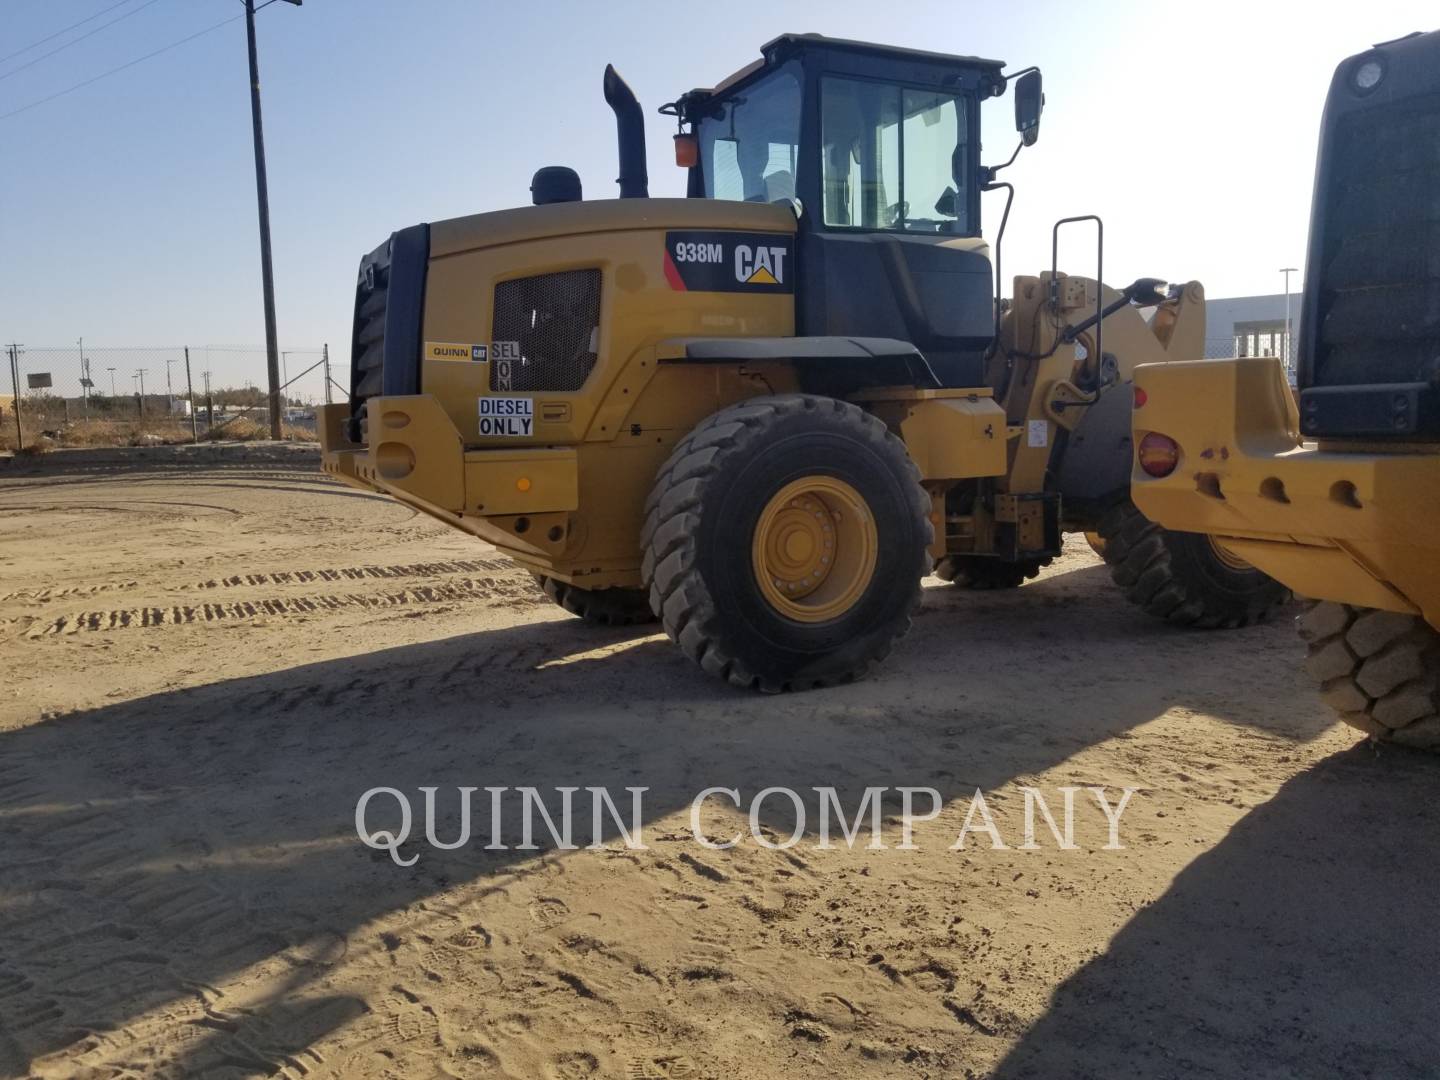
[
  {"x": 987, "y": 172},
  {"x": 1016, "y": 74}
]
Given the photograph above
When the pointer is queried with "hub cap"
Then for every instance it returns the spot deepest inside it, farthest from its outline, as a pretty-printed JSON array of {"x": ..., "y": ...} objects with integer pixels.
[
  {"x": 1226, "y": 558},
  {"x": 815, "y": 549}
]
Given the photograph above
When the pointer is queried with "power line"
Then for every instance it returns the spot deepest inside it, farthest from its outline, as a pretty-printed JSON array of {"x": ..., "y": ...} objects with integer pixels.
[
  {"x": 76, "y": 41},
  {"x": 122, "y": 67},
  {"x": 57, "y": 33}
]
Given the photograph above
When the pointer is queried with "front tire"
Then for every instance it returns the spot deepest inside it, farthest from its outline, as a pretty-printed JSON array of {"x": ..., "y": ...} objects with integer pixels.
[
  {"x": 1184, "y": 578},
  {"x": 785, "y": 541},
  {"x": 602, "y": 607},
  {"x": 1379, "y": 670}
]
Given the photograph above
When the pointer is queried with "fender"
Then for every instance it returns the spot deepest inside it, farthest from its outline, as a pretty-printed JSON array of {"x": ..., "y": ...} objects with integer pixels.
[
  {"x": 835, "y": 366},
  {"x": 1097, "y": 457}
]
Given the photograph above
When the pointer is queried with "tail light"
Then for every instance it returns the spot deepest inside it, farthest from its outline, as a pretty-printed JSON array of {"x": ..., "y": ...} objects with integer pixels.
[
  {"x": 1140, "y": 398},
  {"x": 1159, "y": 455}
]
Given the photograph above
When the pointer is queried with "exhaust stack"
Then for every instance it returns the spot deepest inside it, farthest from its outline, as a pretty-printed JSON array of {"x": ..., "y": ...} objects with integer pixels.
[{"x": 630, "y": 127}]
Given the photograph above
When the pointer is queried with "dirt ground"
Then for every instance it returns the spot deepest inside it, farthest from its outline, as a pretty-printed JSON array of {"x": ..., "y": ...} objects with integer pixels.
[{"x": 204, "y": 669}]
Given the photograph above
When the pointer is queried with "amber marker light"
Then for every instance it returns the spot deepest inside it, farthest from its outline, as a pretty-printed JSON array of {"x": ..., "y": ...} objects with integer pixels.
[{"x": 687, "y": 151}]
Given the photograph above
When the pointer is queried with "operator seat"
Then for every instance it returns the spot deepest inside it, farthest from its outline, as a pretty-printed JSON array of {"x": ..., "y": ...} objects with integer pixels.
[{"x": 780, "y": 186}]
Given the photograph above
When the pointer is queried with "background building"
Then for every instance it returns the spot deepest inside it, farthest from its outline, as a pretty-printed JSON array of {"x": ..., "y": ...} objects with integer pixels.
[{"x": 1251, "y": 326}]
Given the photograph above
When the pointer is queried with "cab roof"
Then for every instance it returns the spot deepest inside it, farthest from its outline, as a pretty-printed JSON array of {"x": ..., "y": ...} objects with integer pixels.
[
  {"x": 780, "y": 48},
  {"x": 889, "y": 52}
]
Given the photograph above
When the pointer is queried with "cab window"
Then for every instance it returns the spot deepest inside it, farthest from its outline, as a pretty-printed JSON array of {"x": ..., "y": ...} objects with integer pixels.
[
  {"x": 894, "y": 157},
  {"x": 749, "y": 142}
]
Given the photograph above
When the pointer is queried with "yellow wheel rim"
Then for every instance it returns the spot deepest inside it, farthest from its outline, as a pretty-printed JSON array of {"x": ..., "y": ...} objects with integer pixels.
[
  {"x": 1227, "y": 558},
  {"x": 814, "y": 549}
]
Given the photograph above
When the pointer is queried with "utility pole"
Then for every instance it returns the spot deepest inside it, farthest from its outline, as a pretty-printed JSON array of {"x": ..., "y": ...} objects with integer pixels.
[
  {"x": 262, "y": 197},
  {"x": 84, "y": 378},
  {"x": 190, "y": 393},
  {"x": 140, "y": 374},
  {"x": 1289, "y": 352},
  {"x": 112, "y": 380},
  {"x": 169, "y": 392},
  {"x": 325, "y": 355},
  {"x": 15, "y": 382}
]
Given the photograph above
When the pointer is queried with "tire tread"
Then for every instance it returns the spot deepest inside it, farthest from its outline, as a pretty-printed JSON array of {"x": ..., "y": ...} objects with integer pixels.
[
  {"x": 601, "y": 607},
  {"x": 1380, "y": 671},
  {"x": 1142, "y": 563}
]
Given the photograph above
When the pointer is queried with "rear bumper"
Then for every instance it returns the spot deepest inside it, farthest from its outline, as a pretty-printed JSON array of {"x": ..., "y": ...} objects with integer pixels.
[
  {"x": 519, "y": 500},
  {"x": 1360, "y": 527}
]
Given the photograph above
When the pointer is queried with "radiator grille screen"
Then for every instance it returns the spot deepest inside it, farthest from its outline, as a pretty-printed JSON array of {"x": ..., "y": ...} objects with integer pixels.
[
  {"x": 368, "y": 356},
  {"x": 545, "y": 331},
  {"x": 1379, "y": 314}
]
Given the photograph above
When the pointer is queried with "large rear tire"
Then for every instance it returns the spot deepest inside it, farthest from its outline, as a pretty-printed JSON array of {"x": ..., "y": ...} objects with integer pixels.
[
  {"x": 603, "y": 607},
  {"x": 785, "y": 541},
  {"x": 983, "y": 572},
  {"x": 1184, "y": 578},
  {"x": 1379, "y": 670}
]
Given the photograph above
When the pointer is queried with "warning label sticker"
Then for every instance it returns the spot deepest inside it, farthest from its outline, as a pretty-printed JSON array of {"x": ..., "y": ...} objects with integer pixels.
[{"x": 508, "y": 417}]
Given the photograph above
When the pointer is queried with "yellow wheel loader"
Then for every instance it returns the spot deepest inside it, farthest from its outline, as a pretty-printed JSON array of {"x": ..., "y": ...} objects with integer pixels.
[
  {"x": 764, "y": 412},
  {"x": 1338, "y": 497}
]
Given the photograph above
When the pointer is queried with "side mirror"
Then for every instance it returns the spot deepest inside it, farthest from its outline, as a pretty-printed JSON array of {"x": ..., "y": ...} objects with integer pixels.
[{"x": 1029, "y": 103}]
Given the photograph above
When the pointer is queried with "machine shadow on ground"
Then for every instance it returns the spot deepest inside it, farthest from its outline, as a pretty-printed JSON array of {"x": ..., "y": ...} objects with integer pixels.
[
  {"x": 1305, "y": 944},
  {"x": 156, "y": 847}
]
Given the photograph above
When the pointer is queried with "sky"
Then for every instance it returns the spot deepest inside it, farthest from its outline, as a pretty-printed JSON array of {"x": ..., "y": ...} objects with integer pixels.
[{"x": 127, "y": 207}]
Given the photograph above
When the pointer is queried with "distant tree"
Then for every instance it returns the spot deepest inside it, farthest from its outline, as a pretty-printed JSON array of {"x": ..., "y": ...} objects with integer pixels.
[{"x": 243, "y": 397}]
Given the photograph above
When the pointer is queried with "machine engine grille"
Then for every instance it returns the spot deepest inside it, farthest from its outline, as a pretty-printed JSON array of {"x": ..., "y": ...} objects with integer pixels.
[
  {"x": 545, "y": 331},
  {"x": 368, "y": 355},
  {"x": 1379, "y": 307}
]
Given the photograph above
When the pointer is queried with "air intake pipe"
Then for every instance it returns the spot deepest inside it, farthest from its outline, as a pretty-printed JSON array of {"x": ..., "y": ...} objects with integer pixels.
[{"x": 630, "y": 126}]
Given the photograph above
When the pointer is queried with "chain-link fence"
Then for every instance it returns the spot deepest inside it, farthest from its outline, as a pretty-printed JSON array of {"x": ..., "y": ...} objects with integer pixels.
[
  {"x": 1226, "y": 348},
  {"x": 97, "y": 395}
]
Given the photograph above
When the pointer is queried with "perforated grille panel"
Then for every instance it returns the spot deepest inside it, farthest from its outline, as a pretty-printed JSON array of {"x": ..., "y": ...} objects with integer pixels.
[
  {"x": 545, "y": 331},
  {"x": 368, "y": 355}
]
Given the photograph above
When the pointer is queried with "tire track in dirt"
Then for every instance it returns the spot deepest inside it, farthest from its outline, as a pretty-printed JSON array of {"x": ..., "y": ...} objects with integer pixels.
[
  {"x": 485, "y": 666},
  {"x": 62, "y": 591},
  {"x": 281, "y": 577},
  {"x": 433, "y": 569},
  {"x": 515, "y": 590}
]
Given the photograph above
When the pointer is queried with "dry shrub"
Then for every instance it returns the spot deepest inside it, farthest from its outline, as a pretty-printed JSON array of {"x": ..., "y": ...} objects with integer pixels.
[
  {"x": 252, "y": 429},
  {"x": 166, "y": 431}
]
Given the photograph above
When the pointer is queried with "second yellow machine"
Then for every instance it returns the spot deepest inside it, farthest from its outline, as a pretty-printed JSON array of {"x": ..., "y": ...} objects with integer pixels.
[
  {"x": 1340, "y": 496},
  {"x": 764, "y": 412}
]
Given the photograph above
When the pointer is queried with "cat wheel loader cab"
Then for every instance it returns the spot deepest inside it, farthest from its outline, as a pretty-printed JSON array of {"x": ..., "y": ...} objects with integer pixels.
[
  {"x": 763, "y": 412},
  {"x": 1339, "y": 497}
]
